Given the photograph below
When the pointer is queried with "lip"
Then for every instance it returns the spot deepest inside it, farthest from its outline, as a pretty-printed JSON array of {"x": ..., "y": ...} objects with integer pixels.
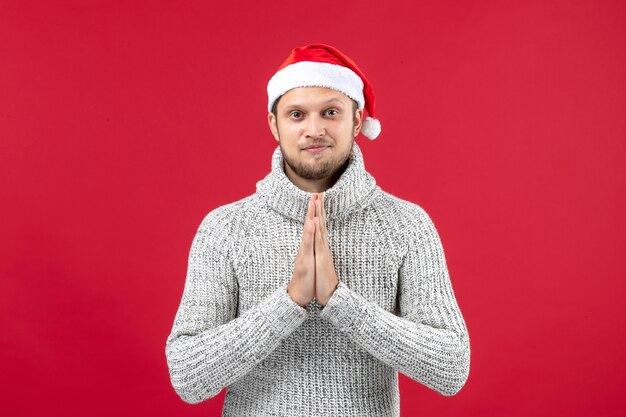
[{"x": 316, "y": 149}]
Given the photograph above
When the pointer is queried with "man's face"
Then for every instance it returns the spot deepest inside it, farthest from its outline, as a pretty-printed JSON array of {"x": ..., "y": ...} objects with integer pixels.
[{"x": 315, "y": 116}]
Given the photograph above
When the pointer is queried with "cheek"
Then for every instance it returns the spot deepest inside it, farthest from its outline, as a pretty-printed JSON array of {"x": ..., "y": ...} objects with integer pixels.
[
  {"x": 289, "y": 129},
  {"x": 345, "y": 127}
]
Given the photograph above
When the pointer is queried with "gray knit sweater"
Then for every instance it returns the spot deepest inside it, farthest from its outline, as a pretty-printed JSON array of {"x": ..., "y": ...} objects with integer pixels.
[{"x": 393, "y": 310}]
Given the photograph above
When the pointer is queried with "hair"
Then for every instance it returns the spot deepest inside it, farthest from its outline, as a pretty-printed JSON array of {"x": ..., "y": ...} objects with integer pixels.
[{"x": 355, "y": 106}]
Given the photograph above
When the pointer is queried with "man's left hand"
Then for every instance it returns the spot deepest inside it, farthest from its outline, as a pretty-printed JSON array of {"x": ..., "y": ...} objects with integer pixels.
[{"x": 326, "y": 279}]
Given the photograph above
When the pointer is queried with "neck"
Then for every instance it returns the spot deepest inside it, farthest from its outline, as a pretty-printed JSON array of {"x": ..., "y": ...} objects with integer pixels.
[
  {"x": 349, "y": 190},
  {"x": 314, "y": 186}
]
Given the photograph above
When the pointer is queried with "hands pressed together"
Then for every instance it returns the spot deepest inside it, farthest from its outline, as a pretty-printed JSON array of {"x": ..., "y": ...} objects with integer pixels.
[{"x": 314, "y": 273}]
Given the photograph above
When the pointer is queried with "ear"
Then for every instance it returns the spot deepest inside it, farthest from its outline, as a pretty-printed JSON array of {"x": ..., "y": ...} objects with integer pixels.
[
  {"x": 358, "y": 121},
  {"x": 272, "y": 122}
]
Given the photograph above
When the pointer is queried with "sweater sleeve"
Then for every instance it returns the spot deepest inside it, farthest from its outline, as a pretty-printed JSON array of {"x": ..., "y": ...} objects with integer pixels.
[
  {"x": 428, "y": 339},
  {"x": 209, "y": 347}
]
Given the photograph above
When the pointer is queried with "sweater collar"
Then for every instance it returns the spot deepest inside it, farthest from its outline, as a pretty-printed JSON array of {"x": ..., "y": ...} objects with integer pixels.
[{"x": 351, "y": 192}]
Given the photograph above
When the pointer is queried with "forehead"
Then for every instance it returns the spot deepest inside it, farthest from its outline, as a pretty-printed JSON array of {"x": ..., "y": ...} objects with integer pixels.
[{"x": 312, "y": 96}]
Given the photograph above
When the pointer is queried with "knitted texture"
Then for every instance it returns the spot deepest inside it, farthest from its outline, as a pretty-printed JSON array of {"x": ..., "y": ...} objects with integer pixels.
[{"x": 393, "y": 311}]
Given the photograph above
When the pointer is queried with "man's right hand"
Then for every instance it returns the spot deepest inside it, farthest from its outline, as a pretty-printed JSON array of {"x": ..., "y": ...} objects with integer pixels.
[{"x": 302, "y": 285}]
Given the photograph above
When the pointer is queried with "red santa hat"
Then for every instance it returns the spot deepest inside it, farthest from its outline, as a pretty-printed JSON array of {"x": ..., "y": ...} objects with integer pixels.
[{"x": 319, "y": 65}]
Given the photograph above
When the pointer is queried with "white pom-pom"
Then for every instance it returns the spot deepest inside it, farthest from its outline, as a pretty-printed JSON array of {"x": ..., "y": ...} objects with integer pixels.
[{"x": 371, "y": 128}]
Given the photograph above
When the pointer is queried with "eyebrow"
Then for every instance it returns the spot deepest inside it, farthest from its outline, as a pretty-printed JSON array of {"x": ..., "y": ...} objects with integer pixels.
[{"x": 330, "y": 100}]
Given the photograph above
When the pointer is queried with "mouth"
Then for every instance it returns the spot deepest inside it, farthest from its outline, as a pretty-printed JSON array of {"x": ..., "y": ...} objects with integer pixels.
[{"x": 316, "y": 149}]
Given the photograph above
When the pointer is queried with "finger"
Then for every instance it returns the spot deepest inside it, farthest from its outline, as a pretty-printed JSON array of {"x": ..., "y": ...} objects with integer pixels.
[
  {"x": 322, "y": 216},
  {"x": 310, "y": 213},
  {"x": 324, "y": 227},
  {"x": 312, "y": 235},
  {"x": 317, "y": 208},
  {"x": 309, "y": 228},
  {"x": 319, "y": 242}
]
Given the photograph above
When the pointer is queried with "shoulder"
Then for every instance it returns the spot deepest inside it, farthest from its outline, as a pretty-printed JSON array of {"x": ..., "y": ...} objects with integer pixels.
[
  {"x": 406, "y": 218},
  {"x": 221, "y": 226},
  {"x": 227, "y": 214}
]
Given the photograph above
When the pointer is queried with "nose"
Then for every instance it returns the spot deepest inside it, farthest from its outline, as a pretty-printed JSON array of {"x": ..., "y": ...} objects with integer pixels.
[{"x": 315, "y": 126}]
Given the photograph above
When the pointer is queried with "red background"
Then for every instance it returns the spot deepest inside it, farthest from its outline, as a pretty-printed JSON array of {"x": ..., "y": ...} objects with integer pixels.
[{"x": 123, "y": 123}]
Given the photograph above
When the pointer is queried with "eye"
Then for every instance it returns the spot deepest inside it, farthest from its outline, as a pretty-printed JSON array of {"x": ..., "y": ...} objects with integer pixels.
[
  {"x": 295, "y": 114},
  {"x": 332, "y": 110}
]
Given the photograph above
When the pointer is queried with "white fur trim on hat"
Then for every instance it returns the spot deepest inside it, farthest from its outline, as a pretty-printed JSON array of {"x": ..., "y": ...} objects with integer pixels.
[{"x": 315, "y": 74}]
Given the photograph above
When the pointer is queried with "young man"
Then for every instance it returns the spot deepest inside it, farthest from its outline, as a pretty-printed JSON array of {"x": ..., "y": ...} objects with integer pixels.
[{"x": 307, "y": 297}]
